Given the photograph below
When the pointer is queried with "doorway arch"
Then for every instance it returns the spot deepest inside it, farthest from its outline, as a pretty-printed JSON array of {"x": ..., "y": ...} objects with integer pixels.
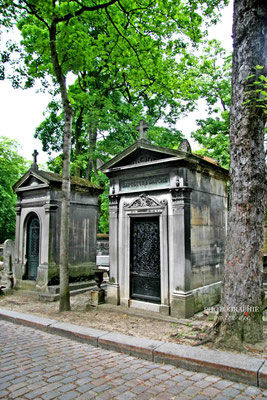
[{"x": 33, "y": 246}]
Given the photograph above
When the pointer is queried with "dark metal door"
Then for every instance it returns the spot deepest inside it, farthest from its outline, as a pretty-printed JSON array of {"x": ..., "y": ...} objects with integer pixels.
[
  {"x": 145, "y": 259},
  {"x": 33, "y": 236}
]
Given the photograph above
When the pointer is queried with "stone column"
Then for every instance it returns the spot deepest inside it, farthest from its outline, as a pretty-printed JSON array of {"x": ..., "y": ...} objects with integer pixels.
[
  {"x": 43, "y": 269},
  {"x": 182, "y": 300},
  {"x": 18, "y": 267},
  {"x": 113, "y": 289}
]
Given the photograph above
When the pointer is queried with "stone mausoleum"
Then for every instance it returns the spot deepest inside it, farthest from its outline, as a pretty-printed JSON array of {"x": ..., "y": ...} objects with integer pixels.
[
  {"x": 168, "y": 216},
  {"x": 38, "y": 228}
]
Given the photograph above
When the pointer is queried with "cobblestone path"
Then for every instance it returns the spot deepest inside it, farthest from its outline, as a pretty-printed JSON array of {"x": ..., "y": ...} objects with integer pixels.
[{"x": 37, "y": 365}]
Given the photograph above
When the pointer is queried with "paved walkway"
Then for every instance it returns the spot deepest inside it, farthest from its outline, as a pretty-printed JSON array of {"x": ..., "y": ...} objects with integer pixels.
[{"x": 37, "y": 365}]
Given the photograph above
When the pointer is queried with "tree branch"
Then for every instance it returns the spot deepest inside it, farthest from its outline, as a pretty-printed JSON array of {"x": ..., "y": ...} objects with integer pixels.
[
  {"x": 85, "y": 8},
  {"x": 32, "y": 10},
  {"x": 129, "y": 43}
]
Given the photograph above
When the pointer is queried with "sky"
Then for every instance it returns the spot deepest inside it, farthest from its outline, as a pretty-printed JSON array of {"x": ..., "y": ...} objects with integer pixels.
[{"x": 21, "y": 111}]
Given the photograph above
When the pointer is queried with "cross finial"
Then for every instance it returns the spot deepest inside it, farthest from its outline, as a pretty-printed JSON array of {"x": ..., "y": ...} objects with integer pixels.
[
  {"x": 35, "y": 154},
  {"x": 142, "y": 128}
]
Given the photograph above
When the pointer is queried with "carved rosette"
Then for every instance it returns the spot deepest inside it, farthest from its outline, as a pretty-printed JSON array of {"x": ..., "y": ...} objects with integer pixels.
[{"x": 144, "y": 201}]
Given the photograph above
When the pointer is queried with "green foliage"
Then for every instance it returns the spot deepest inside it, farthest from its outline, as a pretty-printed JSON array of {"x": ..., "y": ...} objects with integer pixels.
[
  {"x": 256, "y": 95},
  {"x": 213, "y": 136},
  {"x": 215, "y": 88},
  {"x": 12, "y": 167},
  {"x": 128, "y": 63},
  {"x": 165, "y": 137},
  {"x": 103, "y": 223},
  {"x": 50, "y": 131}
]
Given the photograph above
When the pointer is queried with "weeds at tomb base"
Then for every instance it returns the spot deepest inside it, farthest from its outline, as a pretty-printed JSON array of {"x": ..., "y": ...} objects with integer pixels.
[{"x": 182, "y": 331}]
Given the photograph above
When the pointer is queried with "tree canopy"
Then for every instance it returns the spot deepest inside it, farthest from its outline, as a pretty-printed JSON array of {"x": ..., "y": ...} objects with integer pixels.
[
  {"x": 132, "y": 43},
  {"x": 12, "y": 167},
  {"x": 215, "y": 69}
]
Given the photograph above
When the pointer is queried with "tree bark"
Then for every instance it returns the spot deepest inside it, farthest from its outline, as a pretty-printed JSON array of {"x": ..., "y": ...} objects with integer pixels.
[
  {"x": 91, "y": 166},
  {"x": 78, "y": 146},
  {"x": 240, "y": 317},
  {"x": 64, "y": 303}
]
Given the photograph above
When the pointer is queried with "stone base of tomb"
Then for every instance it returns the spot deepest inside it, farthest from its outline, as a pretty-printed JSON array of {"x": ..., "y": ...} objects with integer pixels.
[
  {"x": 48, "y": 276},
  {"x": 182, "y": 304},
  {"x": 207, "y": 296},
  {"x": 113, "y": 293}
]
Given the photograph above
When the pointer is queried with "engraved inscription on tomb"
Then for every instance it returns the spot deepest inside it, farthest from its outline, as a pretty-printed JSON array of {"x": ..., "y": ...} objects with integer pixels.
[
  {"x": 144, "y": 158},
  {"x": 142, "y": 183}
]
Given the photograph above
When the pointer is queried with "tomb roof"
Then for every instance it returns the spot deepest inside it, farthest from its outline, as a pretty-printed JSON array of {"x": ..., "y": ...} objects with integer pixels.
[
  {"x": 163, "y": 154},
  {"x": 51, "y": 178}
]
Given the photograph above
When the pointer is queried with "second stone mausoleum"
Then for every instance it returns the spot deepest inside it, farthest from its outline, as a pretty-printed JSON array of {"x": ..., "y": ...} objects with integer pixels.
[
  {"x": 36, "y": 260},
  {"x": 168, "y": 216}
]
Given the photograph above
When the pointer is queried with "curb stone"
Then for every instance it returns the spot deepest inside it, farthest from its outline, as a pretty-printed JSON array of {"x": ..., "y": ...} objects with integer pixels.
[
  {"x": 134, "y": 346},
  {"x": 238, "y": 368},
  {"x": 263, "y": 376}
]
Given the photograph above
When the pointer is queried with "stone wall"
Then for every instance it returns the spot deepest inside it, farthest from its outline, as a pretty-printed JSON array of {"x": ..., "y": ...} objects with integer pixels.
[
  {"x": 82, "y": 240},
  {"x": 208, "y": 229}
]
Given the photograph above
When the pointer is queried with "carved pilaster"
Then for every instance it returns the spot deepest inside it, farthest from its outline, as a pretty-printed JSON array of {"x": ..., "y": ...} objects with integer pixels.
[
  {"x": 50, "y": 207},
  {"x": 114, "y": 201},
  {"x": 180, "y": 226},
  {"x": 18, "y": 209},
  {"x": 113, "y": 289},
  {"x": 181, "y": 196}
]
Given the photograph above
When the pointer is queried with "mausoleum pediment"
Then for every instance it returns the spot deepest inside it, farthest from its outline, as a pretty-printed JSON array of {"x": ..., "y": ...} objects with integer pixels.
[
  {"x": 141, "y": 156},
  {"x": 141, "y": 153},
  {"x": 30, "y": 180}
]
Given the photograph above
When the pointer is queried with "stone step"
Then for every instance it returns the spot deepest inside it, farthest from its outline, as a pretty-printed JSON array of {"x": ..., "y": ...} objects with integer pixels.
[
  {"x": 26, "y": 285},
  {"x": 55, "y": 296},
  {"x": 73, "y": 286}
]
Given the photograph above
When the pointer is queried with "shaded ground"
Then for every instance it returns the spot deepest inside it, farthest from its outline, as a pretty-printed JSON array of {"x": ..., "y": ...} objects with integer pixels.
[{"x": 119, "y": 319}]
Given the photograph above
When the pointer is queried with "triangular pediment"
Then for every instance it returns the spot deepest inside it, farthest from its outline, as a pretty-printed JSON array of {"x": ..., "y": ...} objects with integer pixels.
[
  {"x": 31, "y": 180},
  {"x": 141, "y": 153},
  {"x": 140, "y": 156}
]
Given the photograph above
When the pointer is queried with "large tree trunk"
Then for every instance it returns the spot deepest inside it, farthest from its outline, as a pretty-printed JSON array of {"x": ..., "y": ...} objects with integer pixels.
[
  {"x": 240, "y": 319},
  {"x": 64, "y": 304},
  {"x": 78, "y": 145},
  {"x": 91, "y": 165}
]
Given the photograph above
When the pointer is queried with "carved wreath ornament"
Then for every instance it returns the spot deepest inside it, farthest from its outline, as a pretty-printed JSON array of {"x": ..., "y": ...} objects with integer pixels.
[{"x": 144, "y": 201}]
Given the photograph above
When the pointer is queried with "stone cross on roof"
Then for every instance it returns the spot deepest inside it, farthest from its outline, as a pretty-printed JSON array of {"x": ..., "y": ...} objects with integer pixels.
[
  {"x": 34, "y": 164},
  {"x": 142, "y": 128}
]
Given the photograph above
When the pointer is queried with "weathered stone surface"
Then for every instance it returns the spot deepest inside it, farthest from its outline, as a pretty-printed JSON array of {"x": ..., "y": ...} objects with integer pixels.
[
  {"x": 226, "y": 365},
  {"x": 81, "y": 333},
  {"x": 188, "y": 197},
  {"x": 263, "y": 376},
  {"x": 97, "y": 297},
  {"x": 128, "y": 344},
  {"x": 26, "y": 319},
  {"x": 6, "y": 274},
  {"x": 40, "y": 197}
]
